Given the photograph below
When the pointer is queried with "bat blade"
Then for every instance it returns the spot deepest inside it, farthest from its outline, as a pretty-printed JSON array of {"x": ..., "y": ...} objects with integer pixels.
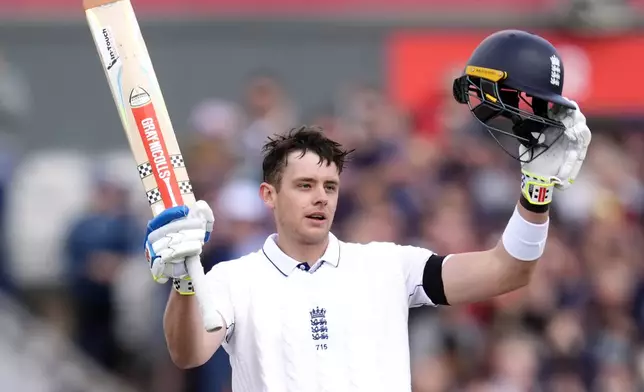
[{"x": 146, "y": 121}]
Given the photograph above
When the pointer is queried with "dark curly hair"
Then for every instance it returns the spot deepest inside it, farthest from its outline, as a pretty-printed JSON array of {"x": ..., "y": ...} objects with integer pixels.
[{"x": 302, "y": 139}]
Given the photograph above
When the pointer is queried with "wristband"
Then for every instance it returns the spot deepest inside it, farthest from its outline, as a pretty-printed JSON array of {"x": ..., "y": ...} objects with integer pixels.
[
  {"x": 536, "y": 208},
  {"x": 524, "y": 240},
  {"x": 183, "y": 286}
]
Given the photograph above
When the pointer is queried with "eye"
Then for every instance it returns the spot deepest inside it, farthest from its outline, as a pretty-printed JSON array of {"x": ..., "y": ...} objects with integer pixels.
[
  {"x": 304, "y": 186},
  {"x": 331, "y": 188}
]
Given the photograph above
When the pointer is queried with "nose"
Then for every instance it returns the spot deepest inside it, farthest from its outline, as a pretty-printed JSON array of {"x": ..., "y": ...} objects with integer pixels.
[{"x": 321, "y": 197}]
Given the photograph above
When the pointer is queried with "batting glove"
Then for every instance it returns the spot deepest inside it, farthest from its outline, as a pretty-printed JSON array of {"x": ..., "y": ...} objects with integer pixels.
[
  {"x": 174, "y": 235},
  {"x": 560, "y": 164}
]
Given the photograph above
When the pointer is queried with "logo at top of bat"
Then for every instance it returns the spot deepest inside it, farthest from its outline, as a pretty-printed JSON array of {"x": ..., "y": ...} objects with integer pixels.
[
  {"x": 139, "y": 97},
  {"x": 112, "y": 54}
]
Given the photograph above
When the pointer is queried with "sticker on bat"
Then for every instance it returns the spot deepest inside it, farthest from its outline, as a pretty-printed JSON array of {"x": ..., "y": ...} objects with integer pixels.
[
  {"x": 109, "y": 53},
  {"x": 139, "y": 97},
  {"x": 152, "y": 137}
]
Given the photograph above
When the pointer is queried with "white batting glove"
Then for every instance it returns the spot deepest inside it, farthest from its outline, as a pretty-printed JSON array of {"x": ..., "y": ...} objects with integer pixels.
[
  {"x": 174, "y": 235},
  {"x": 560, "y": 164}
]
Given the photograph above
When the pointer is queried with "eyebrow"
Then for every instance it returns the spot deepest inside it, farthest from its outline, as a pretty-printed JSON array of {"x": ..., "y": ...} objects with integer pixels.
[{"x": 309, "y": 179}]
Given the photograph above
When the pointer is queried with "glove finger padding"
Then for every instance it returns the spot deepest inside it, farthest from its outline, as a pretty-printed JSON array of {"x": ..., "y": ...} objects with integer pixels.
[
  {"x": 571, "y": 153},
  {"x": 580, "y": 137},
  {"x": 172, "y": 240},
  {"x": 177, "y": 219},
  {"x": 584, "y": 136},
  {"x": 176, "y": 226},
  {"x": 174, "y": 235},
  {"x": 203, "y": 211},
  {"x": 178, "y": 252},
  {"x": 583, "y": 139}
]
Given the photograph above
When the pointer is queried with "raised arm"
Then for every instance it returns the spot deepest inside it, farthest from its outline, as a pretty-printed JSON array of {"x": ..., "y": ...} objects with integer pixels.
[
  {"x": 477, "y": 276},
  {"x": 173, "y": 236},
  {"x": 188, "y": 342}
]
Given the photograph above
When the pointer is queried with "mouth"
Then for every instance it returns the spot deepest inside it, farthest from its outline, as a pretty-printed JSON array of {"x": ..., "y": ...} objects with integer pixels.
[{"x": 318, "y": 216}]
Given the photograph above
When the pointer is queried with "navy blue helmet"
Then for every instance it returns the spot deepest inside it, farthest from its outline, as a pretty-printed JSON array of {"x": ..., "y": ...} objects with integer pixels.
[{"x": 506, "y": 68}]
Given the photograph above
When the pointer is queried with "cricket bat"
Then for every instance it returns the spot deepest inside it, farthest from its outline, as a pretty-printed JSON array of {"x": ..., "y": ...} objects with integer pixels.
[{"x": 145, "y": 119}]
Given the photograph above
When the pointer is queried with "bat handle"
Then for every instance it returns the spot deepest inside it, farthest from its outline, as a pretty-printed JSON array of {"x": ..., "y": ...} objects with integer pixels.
[{"x": 212, "y": 319}]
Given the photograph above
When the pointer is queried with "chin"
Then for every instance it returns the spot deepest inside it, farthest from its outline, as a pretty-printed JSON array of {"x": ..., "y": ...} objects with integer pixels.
[{"x": 312, "y": 237}]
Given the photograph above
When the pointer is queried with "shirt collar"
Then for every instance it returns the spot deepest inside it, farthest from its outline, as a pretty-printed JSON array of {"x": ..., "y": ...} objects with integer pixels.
[{"x": 287, "y": 265}]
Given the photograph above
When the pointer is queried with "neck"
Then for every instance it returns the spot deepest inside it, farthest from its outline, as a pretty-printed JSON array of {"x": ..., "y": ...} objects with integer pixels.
[{"x": 307, "y": 253}]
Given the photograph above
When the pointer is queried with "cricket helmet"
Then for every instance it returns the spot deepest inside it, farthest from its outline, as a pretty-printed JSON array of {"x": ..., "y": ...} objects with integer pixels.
[{"x": 515, "y": 77}]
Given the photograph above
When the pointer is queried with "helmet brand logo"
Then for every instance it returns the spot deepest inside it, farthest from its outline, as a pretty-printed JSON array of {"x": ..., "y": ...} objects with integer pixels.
[{"x": 490, "y": 74}]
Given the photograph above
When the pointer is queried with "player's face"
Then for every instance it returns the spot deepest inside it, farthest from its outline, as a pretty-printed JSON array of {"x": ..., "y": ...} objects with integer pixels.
[{"x": 308, "y": 195}]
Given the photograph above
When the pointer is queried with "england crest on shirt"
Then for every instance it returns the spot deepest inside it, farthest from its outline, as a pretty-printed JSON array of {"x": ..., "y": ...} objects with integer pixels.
[{"x": 319, "y": 328}]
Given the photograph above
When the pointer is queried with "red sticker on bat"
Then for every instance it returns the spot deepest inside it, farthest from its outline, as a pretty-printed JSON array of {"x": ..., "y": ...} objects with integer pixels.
[{"x": 150, "y": 132}]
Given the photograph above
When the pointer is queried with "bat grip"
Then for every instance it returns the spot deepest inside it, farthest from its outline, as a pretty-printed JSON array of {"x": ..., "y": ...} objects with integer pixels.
[{"x": 212, "y": 319}]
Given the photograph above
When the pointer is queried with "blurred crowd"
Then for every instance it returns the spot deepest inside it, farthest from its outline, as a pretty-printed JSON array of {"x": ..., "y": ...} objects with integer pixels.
[{"x": 443, "y": 184}]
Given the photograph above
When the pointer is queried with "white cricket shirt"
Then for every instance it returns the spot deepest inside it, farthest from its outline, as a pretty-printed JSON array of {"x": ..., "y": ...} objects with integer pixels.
[{"x": 340, "y": 326}]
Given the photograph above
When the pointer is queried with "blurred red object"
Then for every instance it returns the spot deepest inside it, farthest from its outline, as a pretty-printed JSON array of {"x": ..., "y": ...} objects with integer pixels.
[
  {"x": 273, "y": 7},
  {"x": 599, "y": 71}
]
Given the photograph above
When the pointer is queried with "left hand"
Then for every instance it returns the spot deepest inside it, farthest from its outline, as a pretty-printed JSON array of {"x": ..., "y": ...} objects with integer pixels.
[{"x": 560, "y": 164}]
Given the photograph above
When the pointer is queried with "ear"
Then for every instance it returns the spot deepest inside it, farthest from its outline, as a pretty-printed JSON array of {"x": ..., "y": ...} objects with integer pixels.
[{"x": 267, "y": 193}]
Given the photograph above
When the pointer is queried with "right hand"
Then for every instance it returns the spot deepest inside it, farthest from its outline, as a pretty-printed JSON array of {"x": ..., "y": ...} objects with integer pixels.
[
  {"x": 559, "y": 165},
  {"x": 174, "y": 235}
]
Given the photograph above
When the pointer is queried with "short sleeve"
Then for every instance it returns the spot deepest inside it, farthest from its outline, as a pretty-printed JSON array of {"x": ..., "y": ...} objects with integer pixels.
[
  {"x": 412, "y": 261},
  {"x": 219, "y": 279}
]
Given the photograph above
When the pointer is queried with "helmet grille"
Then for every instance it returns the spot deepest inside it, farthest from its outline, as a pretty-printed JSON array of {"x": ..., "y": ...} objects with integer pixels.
[{"x": 492, "y": 104}]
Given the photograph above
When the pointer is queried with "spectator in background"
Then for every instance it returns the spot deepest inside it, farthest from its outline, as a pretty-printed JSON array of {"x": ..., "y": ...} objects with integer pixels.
[
  {"x": 97, "y": 245},
  {"x": 514, "y": 363},
  {"x": 7, "y": 164},
  {"x": 268, "y": 110},
  {"x": 213, "y": 149},
  {"x": 268, "y": 107},
  {"x": 15, "y": 97},
  {"x": 243, "y": 216}
]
